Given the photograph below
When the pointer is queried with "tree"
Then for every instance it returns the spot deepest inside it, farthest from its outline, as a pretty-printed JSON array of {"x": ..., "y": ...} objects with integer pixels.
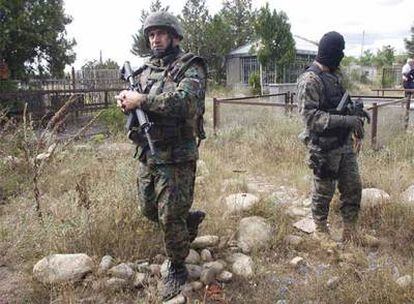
[
  {"x": 33, "y": 37},
  {"x": 239, "y": 15},
  {"x": 276, "y": 44},
  {"x": 367, "y": 58},
  {"x": 194, "y": 20},
  {"x": 409, "y": 44},
  {"x": 95, "y": 64},
  {"x": 140, "y": 45},
  {"x": 385, "y": 56}
]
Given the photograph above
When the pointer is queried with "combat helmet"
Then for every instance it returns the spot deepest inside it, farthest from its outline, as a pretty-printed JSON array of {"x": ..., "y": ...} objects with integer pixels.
[{"x": 163, "y": 19}]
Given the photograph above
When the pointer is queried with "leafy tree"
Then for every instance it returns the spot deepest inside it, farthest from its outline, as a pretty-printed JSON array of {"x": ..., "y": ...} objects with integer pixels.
[
  {"x": 239, "y": 15},
  {"x": 140, "y": 45},
  {"x": 33, "y": 37},
  {"x": 194, "y": 20},
  {"x": 409, "y": 44},
  {"x": 348, "y": 60},
  {"x": 367, "y": 58},
  {"x": 277, "y": 46},
  {"x": 95, "y": 64},
  {"x": 385, "y": 56}
]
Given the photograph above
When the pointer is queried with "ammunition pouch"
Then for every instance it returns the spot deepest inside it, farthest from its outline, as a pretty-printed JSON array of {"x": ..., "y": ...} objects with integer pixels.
[{"x": 318, "y": 162}]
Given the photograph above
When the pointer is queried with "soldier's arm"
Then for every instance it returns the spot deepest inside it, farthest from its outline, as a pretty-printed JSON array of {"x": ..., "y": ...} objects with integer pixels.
[
  {"x": 181, "y": 102},
  {"x": 310, "y": 92}
]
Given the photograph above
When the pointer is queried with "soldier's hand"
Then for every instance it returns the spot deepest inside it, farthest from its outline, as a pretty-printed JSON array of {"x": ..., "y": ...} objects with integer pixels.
[{"x": 129, "y": 100}]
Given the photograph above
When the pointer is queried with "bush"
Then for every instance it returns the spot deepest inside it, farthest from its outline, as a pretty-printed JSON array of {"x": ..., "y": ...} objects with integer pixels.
[
  {"x": 114, "y": 119},
  {"x": 254, "y": 83}
]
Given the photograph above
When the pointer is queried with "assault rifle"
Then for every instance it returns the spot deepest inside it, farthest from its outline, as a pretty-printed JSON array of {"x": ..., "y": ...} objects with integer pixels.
[
  {"x": 136, "y": 117},
  {"x": 347, "y": 106}
]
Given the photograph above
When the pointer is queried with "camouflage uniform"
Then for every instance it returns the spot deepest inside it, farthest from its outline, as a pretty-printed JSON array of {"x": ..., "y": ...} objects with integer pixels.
[
  {"x": 166, "y": 179},
  {"x": 331, "y": 160}
]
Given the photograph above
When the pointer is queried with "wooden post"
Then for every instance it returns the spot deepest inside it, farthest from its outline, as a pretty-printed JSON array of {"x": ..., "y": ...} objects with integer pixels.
[
  {"x": 407, "y": 111},
  {"x": 374, "y": 125},
  {"x": 106, "y": 100},
  {"x": 216, "y": 114},
  {"x": 286, "y": 103},
  {"x": 73, "y": 78}
]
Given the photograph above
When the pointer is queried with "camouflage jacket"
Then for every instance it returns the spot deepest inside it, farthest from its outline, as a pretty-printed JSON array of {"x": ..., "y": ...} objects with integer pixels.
[
  {"x": 310, "y": 95},
  {"x": 181, "y": 99}
]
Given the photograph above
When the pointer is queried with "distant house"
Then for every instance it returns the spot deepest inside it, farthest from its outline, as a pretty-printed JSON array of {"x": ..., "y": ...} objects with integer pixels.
[{"x": 242, "y": 62}]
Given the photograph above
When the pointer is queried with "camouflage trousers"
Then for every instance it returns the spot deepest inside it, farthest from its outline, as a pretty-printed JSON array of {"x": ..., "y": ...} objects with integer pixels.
[
  {"x": 166, "y": 194},
  {"x": 340, "y": 167}
]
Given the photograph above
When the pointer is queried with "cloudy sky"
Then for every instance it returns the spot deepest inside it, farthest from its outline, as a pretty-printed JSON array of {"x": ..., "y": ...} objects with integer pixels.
[{"x": 109, "y": 25}]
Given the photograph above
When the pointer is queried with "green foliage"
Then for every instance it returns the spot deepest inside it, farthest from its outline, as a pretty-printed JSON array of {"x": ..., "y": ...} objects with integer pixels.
[
  {"x": 367, "y": 58},
  {"x": 254, "y": 83},
  {"x": 409, "y": 44},
  {"x": 95, "y": 64},
  {"x": 385, "y": 56},
  {"x": 114, "y": 119},
  {"x": 140, "y": 45},
  {"x": 33, "y": 37},
  {"x": 348, "y": 60},
  {"x": 238, "y": 14}
]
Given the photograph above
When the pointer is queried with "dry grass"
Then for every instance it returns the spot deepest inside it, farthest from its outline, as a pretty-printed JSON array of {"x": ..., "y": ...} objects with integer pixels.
[{"x": 89, "y": 205}]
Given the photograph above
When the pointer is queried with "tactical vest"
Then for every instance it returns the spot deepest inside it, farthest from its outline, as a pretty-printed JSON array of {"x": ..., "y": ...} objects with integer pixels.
[
  {"x": 333, "y": 92},
  {"x": 156, "y": 80}
]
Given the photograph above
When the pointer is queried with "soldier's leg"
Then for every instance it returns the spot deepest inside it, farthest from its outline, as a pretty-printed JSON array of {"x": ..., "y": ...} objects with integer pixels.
[
  {"x": 322, "y": 192},
  {"x": 146, "y": 192},
  {"x": 174, "y": 187},
  {"x": 350, "y": 187}
]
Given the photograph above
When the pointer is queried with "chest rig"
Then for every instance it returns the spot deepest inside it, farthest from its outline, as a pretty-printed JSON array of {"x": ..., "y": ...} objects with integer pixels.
[
  {"x": 332, "y": 95},
  {"x": 155, "y": 79}
]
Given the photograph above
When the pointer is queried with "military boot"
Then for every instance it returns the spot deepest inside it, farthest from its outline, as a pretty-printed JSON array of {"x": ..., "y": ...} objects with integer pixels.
[
  {"x": 175, "y": 279},
  {"x": 194, "y": 219},
  {"x": 323, "y": 235}
]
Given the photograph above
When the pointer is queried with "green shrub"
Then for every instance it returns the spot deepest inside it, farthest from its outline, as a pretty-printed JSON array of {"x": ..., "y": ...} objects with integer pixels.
[
  {"x": 114, "y": 119},
  {"x": 254, "y": 83}
]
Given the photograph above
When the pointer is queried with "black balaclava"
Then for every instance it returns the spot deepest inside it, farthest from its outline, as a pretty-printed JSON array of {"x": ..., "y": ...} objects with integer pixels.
[{"x": 331, "y": 50}]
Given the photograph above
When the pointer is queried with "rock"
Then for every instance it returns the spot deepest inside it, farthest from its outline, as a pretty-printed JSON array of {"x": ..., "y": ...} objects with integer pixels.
[
  {"x": 294, "y": 211},
  {"x": 205, "y": 241},
  {"x": 297, "y": 262},
  {"x": 216, "y": 266},
  {"x": 164, "y": 268},
  {"x": 155, "y": 270},
  {"x": 284, "y": 195},
  {"x": 372, "y": 197},
  {"x": 196, "y": 285},
  {"x": 208, "y": 276},
  {"x": 116, "y": 283},
  {"x": 180, "y": 299},
  {"x": 206, "y": 255},
  {"x": 408, "y": 195},
  {"x": 244, "y": 247},
  {"x": 293, "y": 240},
  {"x": 122, "y": 271},
  {"x": 142, "y": 267},
  {"x": 333, "y": 282},
  {"x": 405, "y": 281},
  {"x": 307, "y": 202},
  {"x": 242, "y": 264},
  {"x": 194, "y": 271},
  {"x": 106, "y": 263},
  {"x": 140, "y": 280},
  {"x": 193, "y": 257},
  {"x": 240, "y": 202},
  {"x": 225, "y": 276},
  {"x": 58, "y": 268},
  {"x": 202, "y": 169},
  {"x": 254, "y": 231},
  {"x": 306, "y": 225}
]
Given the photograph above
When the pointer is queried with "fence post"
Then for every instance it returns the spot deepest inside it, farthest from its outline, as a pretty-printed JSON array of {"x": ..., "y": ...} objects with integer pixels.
[
  {"x": 407, "y": 111},
  {"x": 286, "y": 103},
  {"x": 216, "y": 114},
  {"x": 106, "y": 100},
  {"x": 73, "y": 78},
  {"x": 374, "y": 125}
]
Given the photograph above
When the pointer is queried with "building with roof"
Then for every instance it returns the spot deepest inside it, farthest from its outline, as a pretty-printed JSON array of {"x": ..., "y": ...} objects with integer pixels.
[{"x": 242, "y": 62}]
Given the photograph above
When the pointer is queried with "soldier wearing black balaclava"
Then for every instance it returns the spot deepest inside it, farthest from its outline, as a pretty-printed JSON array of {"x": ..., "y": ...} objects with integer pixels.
[{"x": 330, "y": 136}]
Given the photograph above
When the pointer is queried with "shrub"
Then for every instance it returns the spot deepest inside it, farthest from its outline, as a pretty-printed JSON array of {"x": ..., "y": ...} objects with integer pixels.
[{"x": 254, "y": 83}]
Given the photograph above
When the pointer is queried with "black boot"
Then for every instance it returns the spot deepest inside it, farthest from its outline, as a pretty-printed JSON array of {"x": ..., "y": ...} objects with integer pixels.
[
  {"x": 175, "y": 279},
  {"x": 193, "y": 221}
]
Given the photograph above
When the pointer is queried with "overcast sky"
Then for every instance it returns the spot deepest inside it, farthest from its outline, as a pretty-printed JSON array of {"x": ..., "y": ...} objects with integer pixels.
[{"x": 109, "y": 25}]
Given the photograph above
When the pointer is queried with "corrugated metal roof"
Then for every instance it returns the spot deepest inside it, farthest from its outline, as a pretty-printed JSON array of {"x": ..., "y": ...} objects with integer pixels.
[{"x": 302, "y": 47}]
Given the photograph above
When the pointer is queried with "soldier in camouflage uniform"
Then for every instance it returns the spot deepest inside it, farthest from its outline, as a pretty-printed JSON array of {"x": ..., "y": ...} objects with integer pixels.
[
  {"x": 330, "y": 136},
  {"x": 174, "y": 85}
]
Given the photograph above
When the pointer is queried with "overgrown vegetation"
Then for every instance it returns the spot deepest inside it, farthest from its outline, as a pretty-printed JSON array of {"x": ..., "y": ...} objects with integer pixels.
[{"x": 88, "y": 198}]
